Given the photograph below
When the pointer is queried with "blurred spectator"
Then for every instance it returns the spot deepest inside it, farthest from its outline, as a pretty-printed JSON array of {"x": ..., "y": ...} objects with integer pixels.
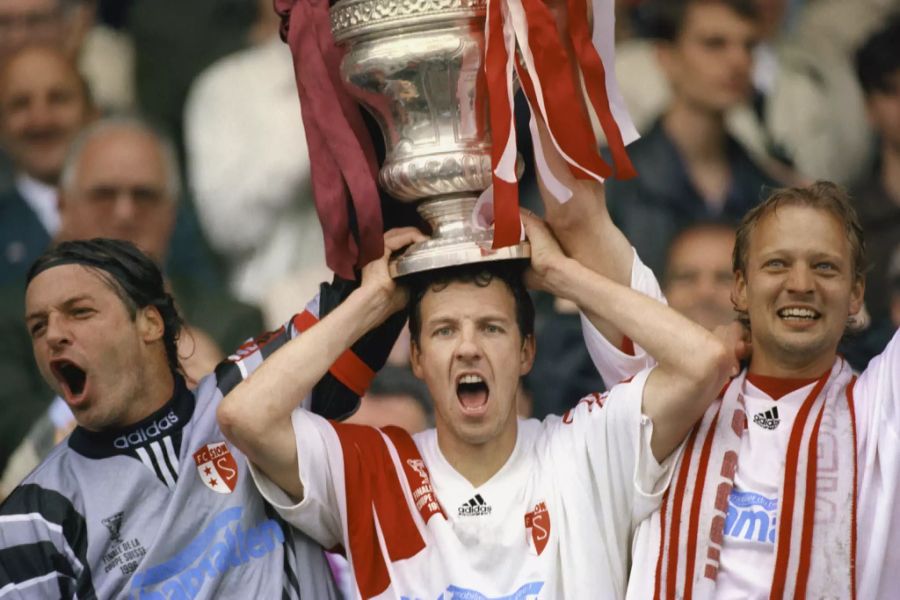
[
  {"x": 43, "y": 104},
  {"x": 877, "y": 197},
  {"x": 698, "y": 276},
  {"x": 689, "y": 167},
  {"x": 807, "y": 109},
  {"x": 563, "y": 371},
  {"x": 175, "y": 40},
  {"x": 120, "y": 180},
  {"x": 103, "y": 55},
  {"x": 397, "y": 398},
  {"x": 249, "y": 169}
]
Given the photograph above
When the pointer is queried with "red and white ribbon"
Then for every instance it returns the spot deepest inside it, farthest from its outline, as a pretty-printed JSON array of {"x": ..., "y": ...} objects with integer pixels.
[{"x": 553, "y": 88}]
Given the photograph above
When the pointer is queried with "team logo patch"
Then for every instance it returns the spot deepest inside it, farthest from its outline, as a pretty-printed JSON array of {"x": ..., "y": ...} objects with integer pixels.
[
  {"x": 217, "y": 467},
  {"x": 114, "y": 525},
  {"x": 768, "y": 419},
  {"x": 537, "y": 527}
]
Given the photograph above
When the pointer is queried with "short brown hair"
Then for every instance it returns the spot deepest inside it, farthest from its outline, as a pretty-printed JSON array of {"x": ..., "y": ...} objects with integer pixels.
[
  {"x": 665, "y": 18},
  {"x": 821, "y": 195}
]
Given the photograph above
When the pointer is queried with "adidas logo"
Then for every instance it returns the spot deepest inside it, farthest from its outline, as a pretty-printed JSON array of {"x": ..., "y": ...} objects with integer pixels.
[
  {"x": 475, "y": 507},
  {"x": 767, "y": 419}
]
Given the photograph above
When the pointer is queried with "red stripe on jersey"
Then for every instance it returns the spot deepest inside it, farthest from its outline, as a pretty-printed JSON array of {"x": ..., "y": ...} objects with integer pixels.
[
  {"x": 852, "y": 404},
  {"x": 417, "y": 474},
  {"x": 694, "y": 515},
  {"x": 809, "y": 510},
  {"x": 657, "y": 584},
  {"x": 373, "y": 490},
  {"x": 349, "y": 369},
  {"x": 786, "y": 512},
  {"x": 675, "y": 525}
]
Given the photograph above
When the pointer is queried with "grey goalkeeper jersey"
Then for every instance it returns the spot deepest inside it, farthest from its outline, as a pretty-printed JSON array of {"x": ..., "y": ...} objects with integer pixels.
[{"x": 163, "y": 509}]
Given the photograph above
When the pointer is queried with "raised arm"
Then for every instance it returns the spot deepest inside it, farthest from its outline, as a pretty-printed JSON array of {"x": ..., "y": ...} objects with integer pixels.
[
  {"x": 692, "y": 364},
  {"x": 256, "y": 414},
  {"x": 583, "y": 226}
]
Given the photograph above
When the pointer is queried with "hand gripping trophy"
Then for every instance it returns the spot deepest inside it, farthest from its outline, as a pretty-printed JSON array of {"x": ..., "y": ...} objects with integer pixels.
[{"x": 439, "y": 77}]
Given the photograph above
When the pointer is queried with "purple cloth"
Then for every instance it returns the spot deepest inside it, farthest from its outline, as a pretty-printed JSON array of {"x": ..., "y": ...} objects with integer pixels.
[{"x": 341, "y": 155}]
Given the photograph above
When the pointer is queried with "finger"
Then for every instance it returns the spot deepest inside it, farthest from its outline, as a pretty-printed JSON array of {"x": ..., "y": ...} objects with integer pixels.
[{"x": 401, "y": 237}]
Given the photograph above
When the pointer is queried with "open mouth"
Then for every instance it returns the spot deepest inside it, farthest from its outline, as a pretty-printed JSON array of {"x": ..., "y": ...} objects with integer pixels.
[
  {"x": 472, "y": 392},
  {"x": 71, "y": 377},
  {"x": 798, "y": 314}
]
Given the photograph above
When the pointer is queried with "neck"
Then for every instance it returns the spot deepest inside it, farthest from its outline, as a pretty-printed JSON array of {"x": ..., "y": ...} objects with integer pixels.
[
  {"x": 158, "y": 384},
  {"x": 890, "y": 170},
  {"x": 477, "y": 462},
  {"x": 790, "y": 366},
  {"x": 698, "y": 133}
]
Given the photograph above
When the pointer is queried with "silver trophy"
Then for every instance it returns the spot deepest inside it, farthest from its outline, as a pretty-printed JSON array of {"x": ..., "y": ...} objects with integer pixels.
[{"x": 417, "y": 66}]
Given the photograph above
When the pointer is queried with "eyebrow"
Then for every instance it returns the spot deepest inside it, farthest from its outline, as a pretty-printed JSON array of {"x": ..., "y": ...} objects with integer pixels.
[
  {"x": 69, "y": 302},
  {"x": 441, "y": 320}
]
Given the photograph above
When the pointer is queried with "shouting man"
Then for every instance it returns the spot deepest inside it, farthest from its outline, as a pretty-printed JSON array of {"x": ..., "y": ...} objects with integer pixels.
[
  {"x": 145, "y": 498},
  {"x": 485, "y": 504}
]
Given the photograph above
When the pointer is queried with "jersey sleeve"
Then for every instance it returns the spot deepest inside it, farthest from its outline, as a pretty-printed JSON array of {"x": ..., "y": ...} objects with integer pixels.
[
  {"x": 43, "y": 546},
  {"x": 610, "y": 436},
  {"x": 613, "y": 363},
  {"x": 876, "y": 397},
  {"x": 321, "y": 474},
  {"x": 337, "y": 394}
]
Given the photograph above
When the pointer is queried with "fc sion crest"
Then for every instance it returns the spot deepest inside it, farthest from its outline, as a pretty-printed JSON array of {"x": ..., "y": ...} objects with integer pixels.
[
  {"x": 217, "y": 467},
  {"x": 537, "y": 527}
]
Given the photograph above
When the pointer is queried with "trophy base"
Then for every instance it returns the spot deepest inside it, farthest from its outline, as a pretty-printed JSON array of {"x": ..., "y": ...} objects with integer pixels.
[{"x": 454, "y": 240}]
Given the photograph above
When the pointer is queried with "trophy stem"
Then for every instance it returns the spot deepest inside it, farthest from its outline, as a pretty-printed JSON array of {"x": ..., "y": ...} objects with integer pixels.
[{"x": 454, "y": 240}]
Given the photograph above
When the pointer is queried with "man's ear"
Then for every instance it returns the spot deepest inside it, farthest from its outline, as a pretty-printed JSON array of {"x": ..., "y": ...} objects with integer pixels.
[
  {"x": 739, "y": 292},
  {"x": 415, "y": 360},
  {"x": 857, "y": 294},
  {"x": 150, "y": 324},
  {"x": 526, "y": 356}
]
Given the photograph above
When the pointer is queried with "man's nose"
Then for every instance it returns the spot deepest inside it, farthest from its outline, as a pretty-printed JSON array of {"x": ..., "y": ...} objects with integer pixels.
[
  {"x": 39, "y": 114},
  {"x": 57, "y": 333},
  {"x": 468, "y": 347},
  {"x": 799, "y": 279},
  {"x": 124, "y": 208}
]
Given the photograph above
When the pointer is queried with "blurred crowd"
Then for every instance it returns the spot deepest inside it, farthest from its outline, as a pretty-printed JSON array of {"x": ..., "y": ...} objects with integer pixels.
[{"x": 176, "y": 125}]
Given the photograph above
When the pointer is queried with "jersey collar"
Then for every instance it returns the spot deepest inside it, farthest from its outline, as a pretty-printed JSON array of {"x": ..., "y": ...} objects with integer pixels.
[{"x": 167, "y": 420}]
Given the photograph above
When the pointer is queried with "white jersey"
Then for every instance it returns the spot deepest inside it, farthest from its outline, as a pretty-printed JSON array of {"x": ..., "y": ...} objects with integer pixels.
[
  {"x": 555, "y": 521},
  {"x": 747, "y": 558}
]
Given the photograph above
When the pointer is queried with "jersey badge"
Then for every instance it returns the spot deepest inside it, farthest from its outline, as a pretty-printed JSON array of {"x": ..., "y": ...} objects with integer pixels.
[
  {"x": 114, "y": 525},
  {"x": 537, "y": 527},
  {"x": 217, "y": 467}
]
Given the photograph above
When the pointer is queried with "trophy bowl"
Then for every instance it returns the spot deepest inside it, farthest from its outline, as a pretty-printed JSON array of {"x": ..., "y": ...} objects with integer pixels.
[{"x": 417, "y": 67}]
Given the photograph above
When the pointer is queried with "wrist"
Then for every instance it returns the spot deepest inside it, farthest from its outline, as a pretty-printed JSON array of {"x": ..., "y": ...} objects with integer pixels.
[
  {"x": 374, "y": 303},
  {"x": 560, "y": 276}
]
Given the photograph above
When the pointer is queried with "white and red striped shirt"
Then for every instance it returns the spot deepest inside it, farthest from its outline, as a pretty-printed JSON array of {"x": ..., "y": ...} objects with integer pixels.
[
  {"x": 747, "y": 562},
  {"x": 555, "y": 521}
]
